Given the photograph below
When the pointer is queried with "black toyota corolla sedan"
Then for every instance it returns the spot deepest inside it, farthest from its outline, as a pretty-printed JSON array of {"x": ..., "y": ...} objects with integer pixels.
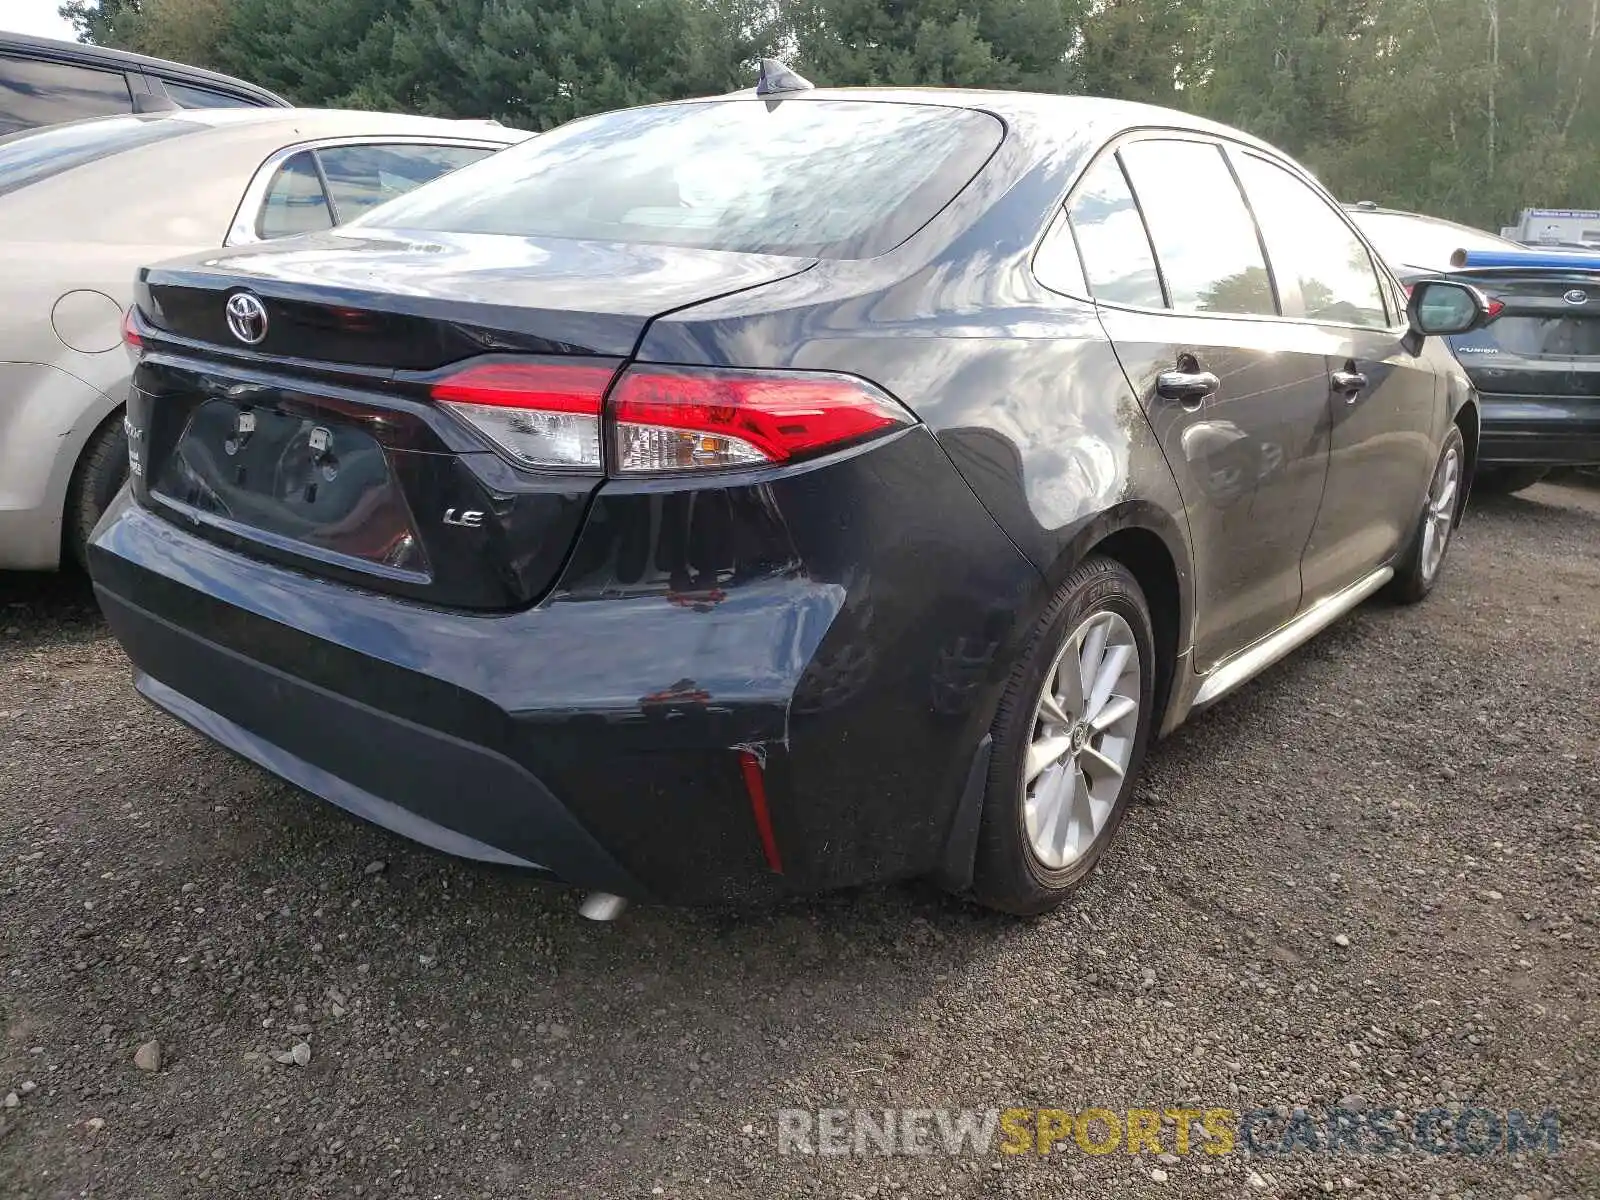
[{"x": 779, "y": 492}]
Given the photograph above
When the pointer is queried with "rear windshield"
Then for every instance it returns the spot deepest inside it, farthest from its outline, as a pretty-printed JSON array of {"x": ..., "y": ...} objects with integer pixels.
[
  {"x": 825, "y": 178},
  {"x": 1415, "y": 242},
  {"x": 36, "y": 154}
]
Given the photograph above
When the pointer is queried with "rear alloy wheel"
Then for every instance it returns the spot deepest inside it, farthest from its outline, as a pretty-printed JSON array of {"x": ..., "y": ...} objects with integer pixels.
[
  {"x": 1083, "y": 729},
  {"x": 1418, "y": 570},
  {"x": 1069, "y": 738}
]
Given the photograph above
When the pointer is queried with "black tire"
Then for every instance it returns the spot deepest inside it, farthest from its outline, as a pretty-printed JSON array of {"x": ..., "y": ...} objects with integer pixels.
[
  {"x": 1412, "y": 578},
  {"x": 1503, "y": 481},
  {"x": 1008, "y": 875},
  {"x": 101, "y": 471}
]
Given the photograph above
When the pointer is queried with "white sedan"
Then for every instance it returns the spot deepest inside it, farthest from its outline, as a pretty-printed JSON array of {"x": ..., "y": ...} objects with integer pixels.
[{"x": 83, "y": 205}]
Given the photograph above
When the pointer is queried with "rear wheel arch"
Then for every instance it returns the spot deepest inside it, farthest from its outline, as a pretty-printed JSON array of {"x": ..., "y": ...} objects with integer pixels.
[
  {"x": 1148, "y": 542},
  {"x": 1147, "y": 557}
]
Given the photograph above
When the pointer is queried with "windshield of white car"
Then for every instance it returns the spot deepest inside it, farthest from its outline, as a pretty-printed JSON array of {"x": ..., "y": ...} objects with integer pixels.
[{"x": 30, "y": 155}]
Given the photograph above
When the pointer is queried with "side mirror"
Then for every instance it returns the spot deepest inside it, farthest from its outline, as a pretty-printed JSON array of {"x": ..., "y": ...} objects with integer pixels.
[{"x": 1440, "y": 307}]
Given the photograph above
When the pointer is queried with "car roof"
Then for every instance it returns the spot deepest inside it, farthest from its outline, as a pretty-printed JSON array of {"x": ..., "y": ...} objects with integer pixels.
[
  {"x": 216, "y": 153},
  {"x": 52, "y": 50},
  {"x": 1092, "y": 118},
  {"x": 1095, "y": 110},
  {"x": 1369, "y": 209},
  {"x": 312, "y": 123}
]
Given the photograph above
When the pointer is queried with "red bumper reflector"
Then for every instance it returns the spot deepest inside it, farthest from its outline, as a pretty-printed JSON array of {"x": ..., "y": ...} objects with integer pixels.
[{"x": 756, "y": 784}]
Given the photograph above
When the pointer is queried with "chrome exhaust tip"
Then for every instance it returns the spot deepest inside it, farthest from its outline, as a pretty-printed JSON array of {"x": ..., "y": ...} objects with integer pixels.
[{"x": 602, "y": 906}]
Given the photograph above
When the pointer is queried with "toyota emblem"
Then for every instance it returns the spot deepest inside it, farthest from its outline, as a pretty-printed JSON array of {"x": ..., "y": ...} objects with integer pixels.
[
  {"x": 1576, "y": 296},
  {"x": 247, "y": 318}
]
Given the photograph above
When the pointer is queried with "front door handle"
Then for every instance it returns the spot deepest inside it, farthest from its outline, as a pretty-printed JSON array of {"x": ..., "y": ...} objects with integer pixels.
[
  {"x": 1349, "y": 384},
  {"x": 1187, "y": 387}
]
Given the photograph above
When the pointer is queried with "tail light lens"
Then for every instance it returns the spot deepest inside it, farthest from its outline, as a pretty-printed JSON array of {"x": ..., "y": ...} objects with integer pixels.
[
  {"x": 131, "y": 340},
  {"x": 540, "y": 414},
  {"x": 1496, "y": 307},
  {"x": 663, "y": 419},
  {"x": 682, "y": 419}
]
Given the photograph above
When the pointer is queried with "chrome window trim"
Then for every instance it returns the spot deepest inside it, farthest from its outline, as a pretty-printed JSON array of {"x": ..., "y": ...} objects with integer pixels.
[
  {"x": 1231, "y": 146},
  {"x": 242, "y": 229}
]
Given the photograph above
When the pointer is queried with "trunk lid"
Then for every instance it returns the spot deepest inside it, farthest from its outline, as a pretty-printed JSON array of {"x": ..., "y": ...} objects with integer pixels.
[
  {"x": 1546, "y": 342},
  {"x": 318, "y": 445},
  {"x": 381, "y": 298}
]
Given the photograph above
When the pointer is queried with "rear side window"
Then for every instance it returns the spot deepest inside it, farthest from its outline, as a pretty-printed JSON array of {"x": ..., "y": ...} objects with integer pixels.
[
  {"x": 362, "y": 177},
  {"x": 36, "y": 93},
  {"x": 1056, "y": 263},
  {"x": 1112, "y": 239},
  {"x": 1204, "y": 238},
  {"x": 828, "y": 178},
  {"x": 37, "y": 154},
  {"x": 1312, "y": 248},
  {"x": 295, "y": 200},
  {"x": 198, "y": 97}
]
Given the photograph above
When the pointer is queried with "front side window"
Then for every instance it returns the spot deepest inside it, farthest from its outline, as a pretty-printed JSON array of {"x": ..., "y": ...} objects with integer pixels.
[
  {"x": 295, "y": 200},
  {"x": 824, "y": 178},
  {"x": 1204, "y": 238},
  {"x": 36, "y": 93},
  {"x": 362, "y": 177},
  {"x": 1112, "y": 239},
  {"x": 1312, "y": 248}
]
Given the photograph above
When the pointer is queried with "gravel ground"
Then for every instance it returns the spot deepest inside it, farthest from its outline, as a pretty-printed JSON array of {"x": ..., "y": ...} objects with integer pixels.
[{"x": 1372, "y": 876}]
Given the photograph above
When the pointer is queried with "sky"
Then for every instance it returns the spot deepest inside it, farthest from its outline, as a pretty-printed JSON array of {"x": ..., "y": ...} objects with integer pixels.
[{"x": 34, "y": 16}]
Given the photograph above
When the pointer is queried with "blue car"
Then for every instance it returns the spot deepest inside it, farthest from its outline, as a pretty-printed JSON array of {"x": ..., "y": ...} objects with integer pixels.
[{"x": 1536, "y": 364}]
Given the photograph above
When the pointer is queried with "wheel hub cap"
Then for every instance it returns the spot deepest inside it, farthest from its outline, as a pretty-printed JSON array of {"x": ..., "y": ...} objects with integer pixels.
[{"x": 1084, "y": 727}]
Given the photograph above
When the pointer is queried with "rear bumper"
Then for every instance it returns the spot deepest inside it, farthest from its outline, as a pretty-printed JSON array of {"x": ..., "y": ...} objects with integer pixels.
[
  {"x": 1539, "y": 430},
  {"x": 597, "y": 737}
]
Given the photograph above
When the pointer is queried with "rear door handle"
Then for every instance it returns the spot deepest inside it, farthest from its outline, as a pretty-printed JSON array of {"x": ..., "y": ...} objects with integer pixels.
[
  {"x": 1188, "y": 387},
  {"x": 1349, "y": 384}
]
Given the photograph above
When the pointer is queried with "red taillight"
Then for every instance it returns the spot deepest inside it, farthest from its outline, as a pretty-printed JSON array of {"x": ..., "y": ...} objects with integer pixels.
[
  {"x": 1496, "y": 307},
  {"x": 542, "y": 414},
  {"x": 130, "y": 332},
  {"x": 688, "y": 419},
  {"x": 551, "y": 414}
]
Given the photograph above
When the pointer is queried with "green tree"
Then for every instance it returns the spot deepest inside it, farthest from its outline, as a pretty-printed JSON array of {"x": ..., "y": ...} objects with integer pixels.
[
  {"x": 950, "y": 43},
  {"x": 1139, "y": 50},
  {"x": 103, "y": 22}
]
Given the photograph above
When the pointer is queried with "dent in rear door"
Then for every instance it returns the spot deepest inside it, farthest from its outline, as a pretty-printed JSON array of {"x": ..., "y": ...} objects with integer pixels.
[{"x": 1250, "y": 459}]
